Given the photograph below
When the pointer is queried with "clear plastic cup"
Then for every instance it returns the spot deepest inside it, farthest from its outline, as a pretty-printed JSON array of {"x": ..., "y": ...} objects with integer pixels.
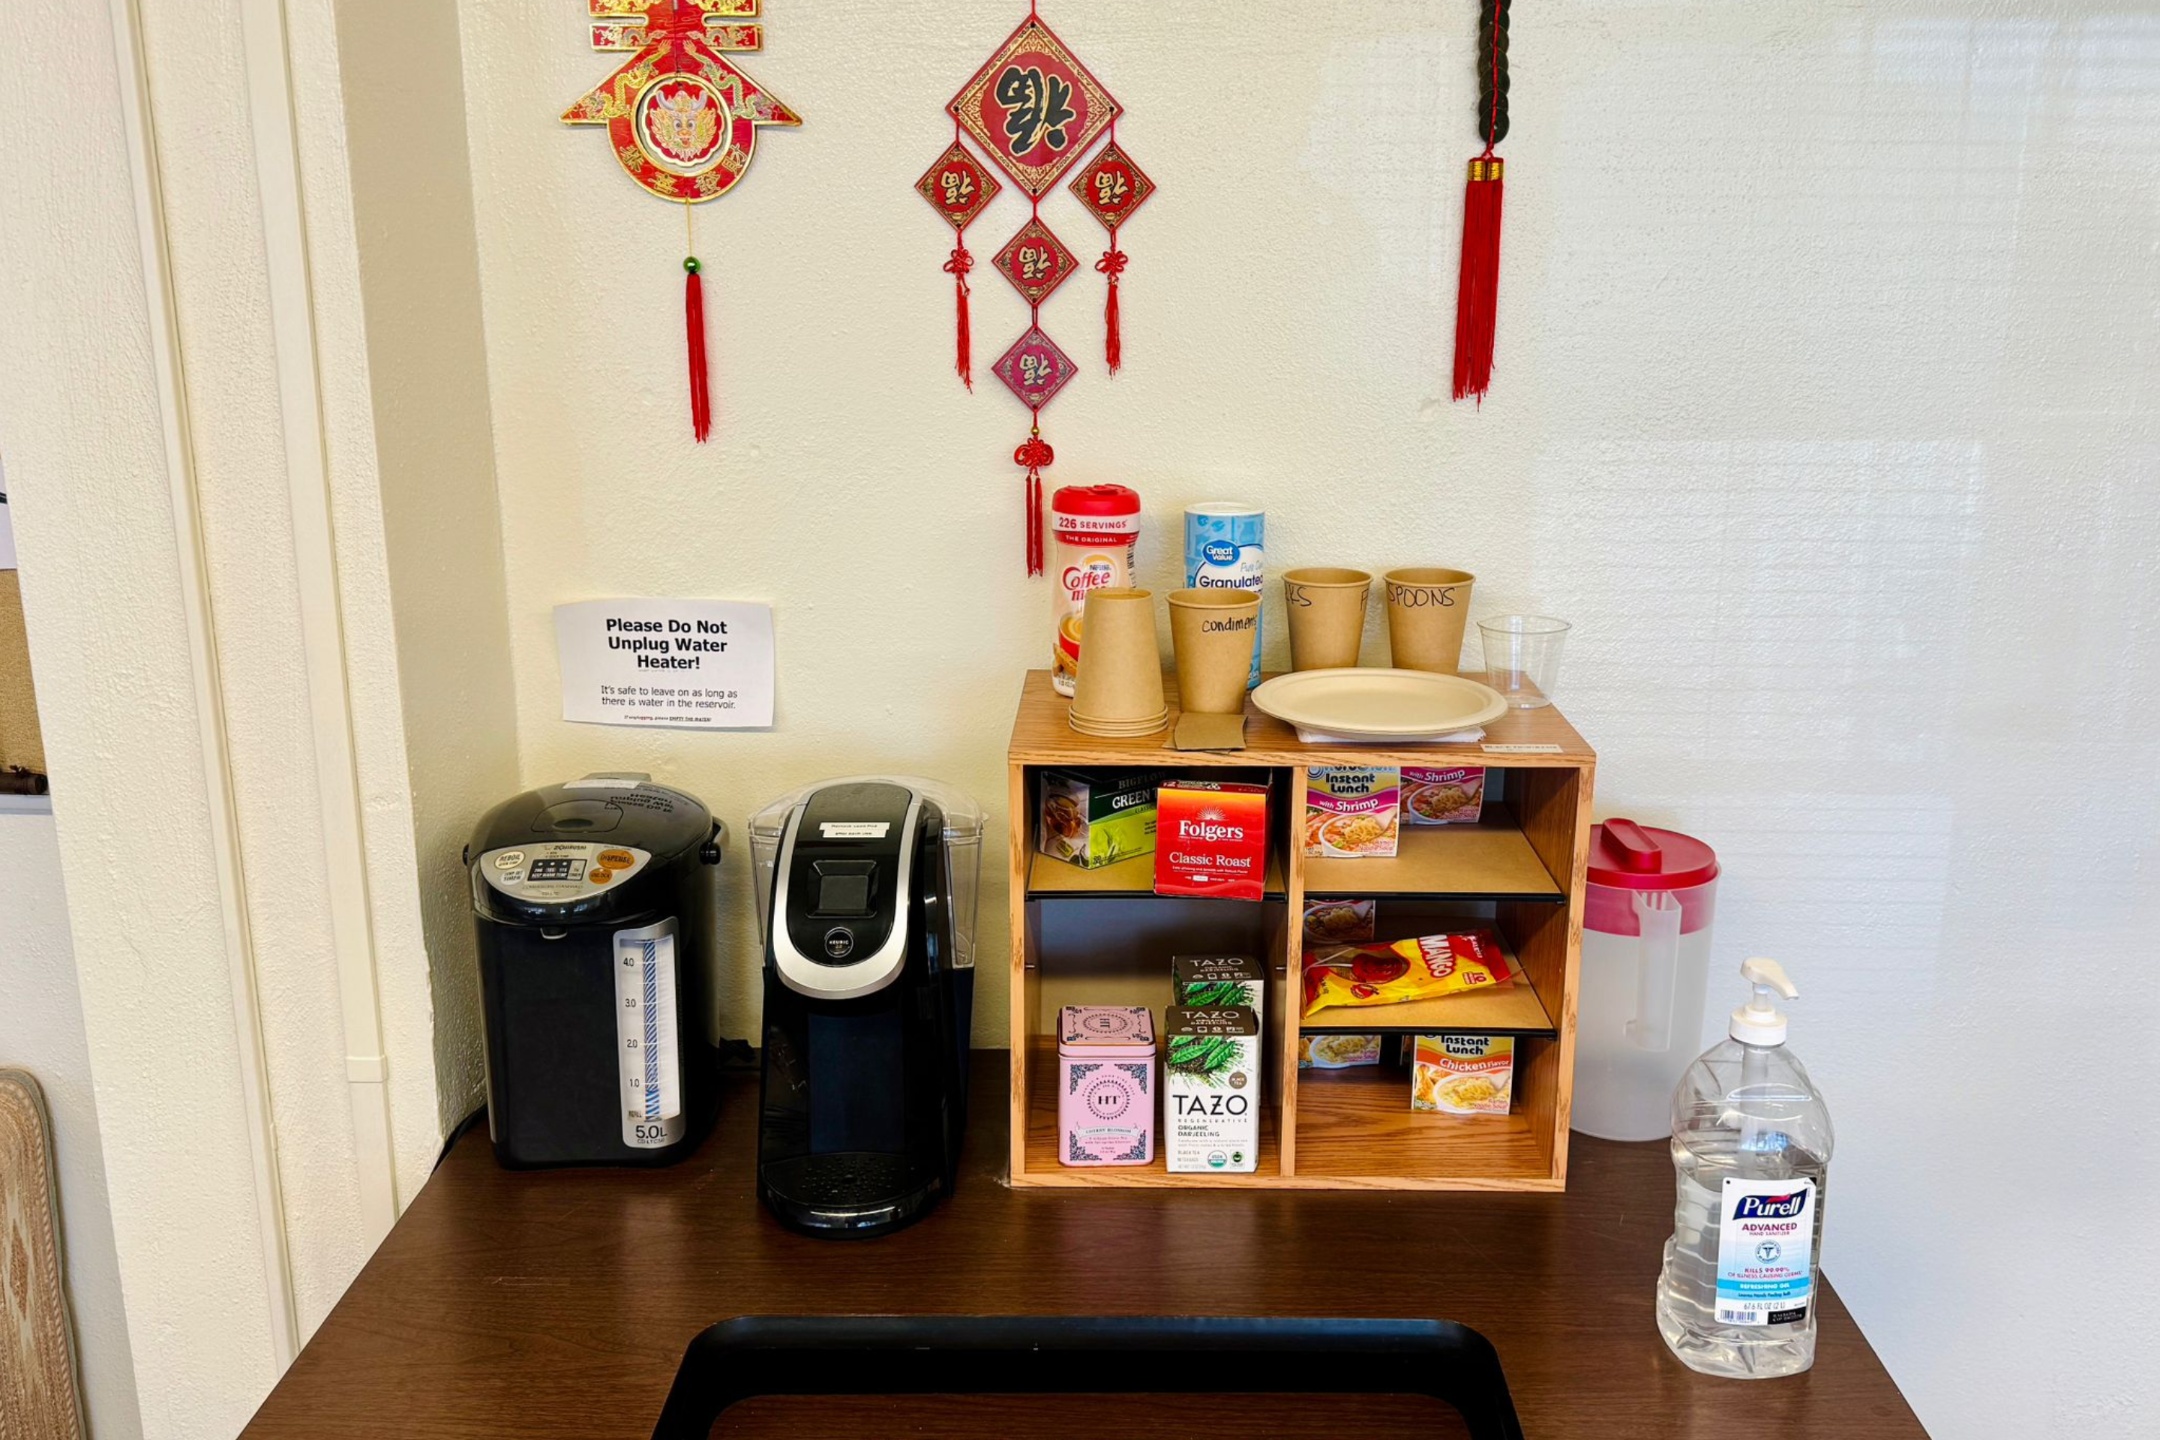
[{"x": 1522, "y": 657}]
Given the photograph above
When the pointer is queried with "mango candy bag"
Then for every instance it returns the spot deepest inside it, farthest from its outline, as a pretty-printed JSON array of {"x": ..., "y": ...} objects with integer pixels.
[{"x": 1420, "y": 969}]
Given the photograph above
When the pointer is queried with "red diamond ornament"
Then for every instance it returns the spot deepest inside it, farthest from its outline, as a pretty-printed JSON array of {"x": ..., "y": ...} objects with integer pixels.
[
  {"x": 1036, "y": 262},
  {"x": 1113, "y": 187},
  {"x": 1035, "y": 369},
  {"x": 958, "y": 187},
  {"x": 1034, "y": 108}
]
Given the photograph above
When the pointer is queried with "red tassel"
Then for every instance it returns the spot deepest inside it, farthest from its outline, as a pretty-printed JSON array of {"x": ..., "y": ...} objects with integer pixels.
[
  {"x": 1036, "y": 454},
  {"x": 700, "y": 379},
  {"x": 958, "y": 267},
  {"x": 1035, "y": 523},
  {"x": 1112, "y": 264},
  {"x": 1477, "y": 294}
]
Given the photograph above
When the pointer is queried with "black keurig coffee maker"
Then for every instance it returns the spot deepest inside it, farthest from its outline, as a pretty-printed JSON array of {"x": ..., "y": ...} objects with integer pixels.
[
  {"x": 595, "y": 904},
  {"x": 868, "y": 906}
]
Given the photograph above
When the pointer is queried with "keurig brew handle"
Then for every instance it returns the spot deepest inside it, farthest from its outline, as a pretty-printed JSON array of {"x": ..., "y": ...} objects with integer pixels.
[{"x": 714, "y": 845}]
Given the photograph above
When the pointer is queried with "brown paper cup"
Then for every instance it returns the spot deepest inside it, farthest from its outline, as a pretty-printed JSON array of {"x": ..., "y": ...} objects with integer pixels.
[
  {"x": 1212, "y": 633},
  {"x": 1120, "y": 680},
  {"x": 1427, "y": 609},
  {"x": 1326, "y": 606}
]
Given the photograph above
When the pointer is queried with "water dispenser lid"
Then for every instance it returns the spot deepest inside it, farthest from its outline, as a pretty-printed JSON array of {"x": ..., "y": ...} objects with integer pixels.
[{"x": 1628, "y": 856}]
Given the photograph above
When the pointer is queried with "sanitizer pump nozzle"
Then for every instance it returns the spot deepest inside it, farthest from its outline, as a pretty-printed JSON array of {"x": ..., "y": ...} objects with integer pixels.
[{"x": 1760, "y": 1022}]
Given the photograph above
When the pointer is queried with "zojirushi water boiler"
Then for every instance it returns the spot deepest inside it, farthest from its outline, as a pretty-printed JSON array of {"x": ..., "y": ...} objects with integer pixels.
[
  {"x": 596, "y": 903},
  {"x": 867, "y": 903}
]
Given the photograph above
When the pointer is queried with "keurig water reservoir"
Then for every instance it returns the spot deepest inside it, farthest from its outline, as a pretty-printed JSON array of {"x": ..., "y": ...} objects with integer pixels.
[
  {"x": 867, "y": 904},
  {"x": 595, "y": 904}
]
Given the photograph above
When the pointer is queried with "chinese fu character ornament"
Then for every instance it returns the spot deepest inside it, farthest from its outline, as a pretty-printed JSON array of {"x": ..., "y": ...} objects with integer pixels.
[
  {"x": 1477, "y": 290},
  {"x": 1036, "y": 112},
  {"x": 682, "y": 120}
]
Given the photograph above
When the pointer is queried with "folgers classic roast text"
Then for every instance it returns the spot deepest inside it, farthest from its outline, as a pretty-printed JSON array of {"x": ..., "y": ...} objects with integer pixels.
[{"x": 1211, "y": 839}]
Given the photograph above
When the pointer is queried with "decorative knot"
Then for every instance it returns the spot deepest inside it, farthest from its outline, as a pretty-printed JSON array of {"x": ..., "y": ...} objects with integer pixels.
[
  {"x": 1112, "y": 263},
  {"x": 1034, "y": 453},
  {"x": 961, "y": 263}
]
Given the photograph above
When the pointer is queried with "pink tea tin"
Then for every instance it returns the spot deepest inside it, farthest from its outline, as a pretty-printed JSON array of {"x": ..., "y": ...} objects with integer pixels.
[{"x": 1106, "y": 1084}]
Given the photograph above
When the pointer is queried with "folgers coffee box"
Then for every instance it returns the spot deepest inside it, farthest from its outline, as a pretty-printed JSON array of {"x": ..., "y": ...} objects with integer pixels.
[
  {"x": 1211, "y": 839},
  {"x": 1211, "y": 1073},
  {"x": 1093, "y": 820},
  {"x": 1454, "y": 796},
  {"x": 1350, "y": 811},
  {"x": 1214, "y": 981}
]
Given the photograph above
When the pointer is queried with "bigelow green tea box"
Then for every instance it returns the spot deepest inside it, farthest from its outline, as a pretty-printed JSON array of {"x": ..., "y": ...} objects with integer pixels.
[
  {"x": 1211, "y": 1069},
  {"x": 1097, "y": 818},
  {"x": 1202, "y": 982}
]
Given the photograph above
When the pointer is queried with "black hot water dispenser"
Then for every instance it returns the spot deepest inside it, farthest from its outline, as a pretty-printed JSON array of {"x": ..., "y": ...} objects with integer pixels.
[{"x": 595, "y": 903}]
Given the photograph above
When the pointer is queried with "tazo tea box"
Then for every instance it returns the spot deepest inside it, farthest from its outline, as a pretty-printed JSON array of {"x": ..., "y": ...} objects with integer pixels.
[
  {"x": 1213, "y": 982},
  {"x": 1211, "y": 839},
  {"x": 1455, "y": 796},
  {"x": 1463, "y": 1074},
  {"x": 1093, "y": 820},
  {"x": 1212, "y": 1079},
  {"x": 1350, "y": 812}
]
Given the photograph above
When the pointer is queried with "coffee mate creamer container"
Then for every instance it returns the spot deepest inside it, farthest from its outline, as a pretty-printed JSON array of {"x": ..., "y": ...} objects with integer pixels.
[
  {"x": 1092, "y": 532},
  {"x": 1224, "y": 550}
]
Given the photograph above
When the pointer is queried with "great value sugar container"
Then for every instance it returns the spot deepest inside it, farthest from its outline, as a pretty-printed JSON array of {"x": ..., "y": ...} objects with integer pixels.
[
  {"x": 1106, "y": 1085},
  {"x": 1225, "y": 549}
]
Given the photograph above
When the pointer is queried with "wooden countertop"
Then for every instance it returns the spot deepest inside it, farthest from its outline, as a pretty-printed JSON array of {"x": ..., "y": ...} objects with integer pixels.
[{"x": 559, "y": 1303}]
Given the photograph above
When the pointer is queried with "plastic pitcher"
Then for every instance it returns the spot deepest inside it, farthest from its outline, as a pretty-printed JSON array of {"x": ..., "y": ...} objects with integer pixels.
[{"x": 1645, "y": 972}]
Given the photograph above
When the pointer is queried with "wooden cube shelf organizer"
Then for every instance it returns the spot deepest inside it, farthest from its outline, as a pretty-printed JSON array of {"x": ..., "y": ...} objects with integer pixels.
[{"x": 1087, "y": 937}]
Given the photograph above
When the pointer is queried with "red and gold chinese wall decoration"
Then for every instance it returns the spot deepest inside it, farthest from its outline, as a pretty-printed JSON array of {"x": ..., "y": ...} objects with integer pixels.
[
  {"x": 1036, "y": 111},
  {"x": 1477, "y": 288},
  {"x": 683, "y": 120}
]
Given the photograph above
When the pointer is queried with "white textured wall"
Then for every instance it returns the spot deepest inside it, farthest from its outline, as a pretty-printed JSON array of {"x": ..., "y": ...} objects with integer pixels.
[
  {"x": 41, "y": 1031},
  {"x": 1825, "y": 405}
]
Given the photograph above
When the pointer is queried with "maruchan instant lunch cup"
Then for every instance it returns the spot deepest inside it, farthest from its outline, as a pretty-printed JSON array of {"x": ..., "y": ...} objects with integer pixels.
[
  {"x": 1648, "y": 907},
  {"x": 1093, "y": 529}
]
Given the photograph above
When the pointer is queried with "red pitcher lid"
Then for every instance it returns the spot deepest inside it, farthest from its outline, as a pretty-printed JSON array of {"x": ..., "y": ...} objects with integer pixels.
[
  {"x": 1628, "y": 856},
  {"x": 1100, "y": 500}
]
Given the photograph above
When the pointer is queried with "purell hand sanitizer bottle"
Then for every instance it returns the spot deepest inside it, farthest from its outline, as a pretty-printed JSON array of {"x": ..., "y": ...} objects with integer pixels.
[{"x": 1751, "y": 1148}]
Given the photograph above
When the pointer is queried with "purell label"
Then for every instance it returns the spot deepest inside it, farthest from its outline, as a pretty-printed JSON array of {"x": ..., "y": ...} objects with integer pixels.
[{"x": 1766, "y": 1249}]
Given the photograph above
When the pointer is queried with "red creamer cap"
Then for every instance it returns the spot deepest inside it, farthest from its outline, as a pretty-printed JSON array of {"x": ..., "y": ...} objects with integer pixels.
[
  {"x": 1628, "y": 856},
  {"x": 1099, "y": 500}
]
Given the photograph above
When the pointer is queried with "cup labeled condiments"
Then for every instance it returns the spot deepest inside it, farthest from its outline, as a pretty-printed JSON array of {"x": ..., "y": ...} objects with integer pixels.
[
  {"x": 1211, "y": 636},
  {"x": 1093, "y": 529}
]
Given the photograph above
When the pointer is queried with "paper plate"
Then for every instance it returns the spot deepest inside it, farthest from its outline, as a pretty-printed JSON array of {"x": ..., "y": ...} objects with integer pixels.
[{"x": 1401, "y": 703}]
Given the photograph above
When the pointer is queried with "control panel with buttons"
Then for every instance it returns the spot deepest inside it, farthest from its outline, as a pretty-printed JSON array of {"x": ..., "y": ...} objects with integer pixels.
[{"x": 558, "y": 870}]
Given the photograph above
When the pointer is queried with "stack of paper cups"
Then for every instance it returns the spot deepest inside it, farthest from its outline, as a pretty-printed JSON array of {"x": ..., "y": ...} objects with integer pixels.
[
  {"x": 1119, "y": 688},
  {"x": 1225, "y": 549}
]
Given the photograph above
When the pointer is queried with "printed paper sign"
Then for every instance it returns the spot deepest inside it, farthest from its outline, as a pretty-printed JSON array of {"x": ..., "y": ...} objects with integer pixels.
[{"x": 679, "y": 664}]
